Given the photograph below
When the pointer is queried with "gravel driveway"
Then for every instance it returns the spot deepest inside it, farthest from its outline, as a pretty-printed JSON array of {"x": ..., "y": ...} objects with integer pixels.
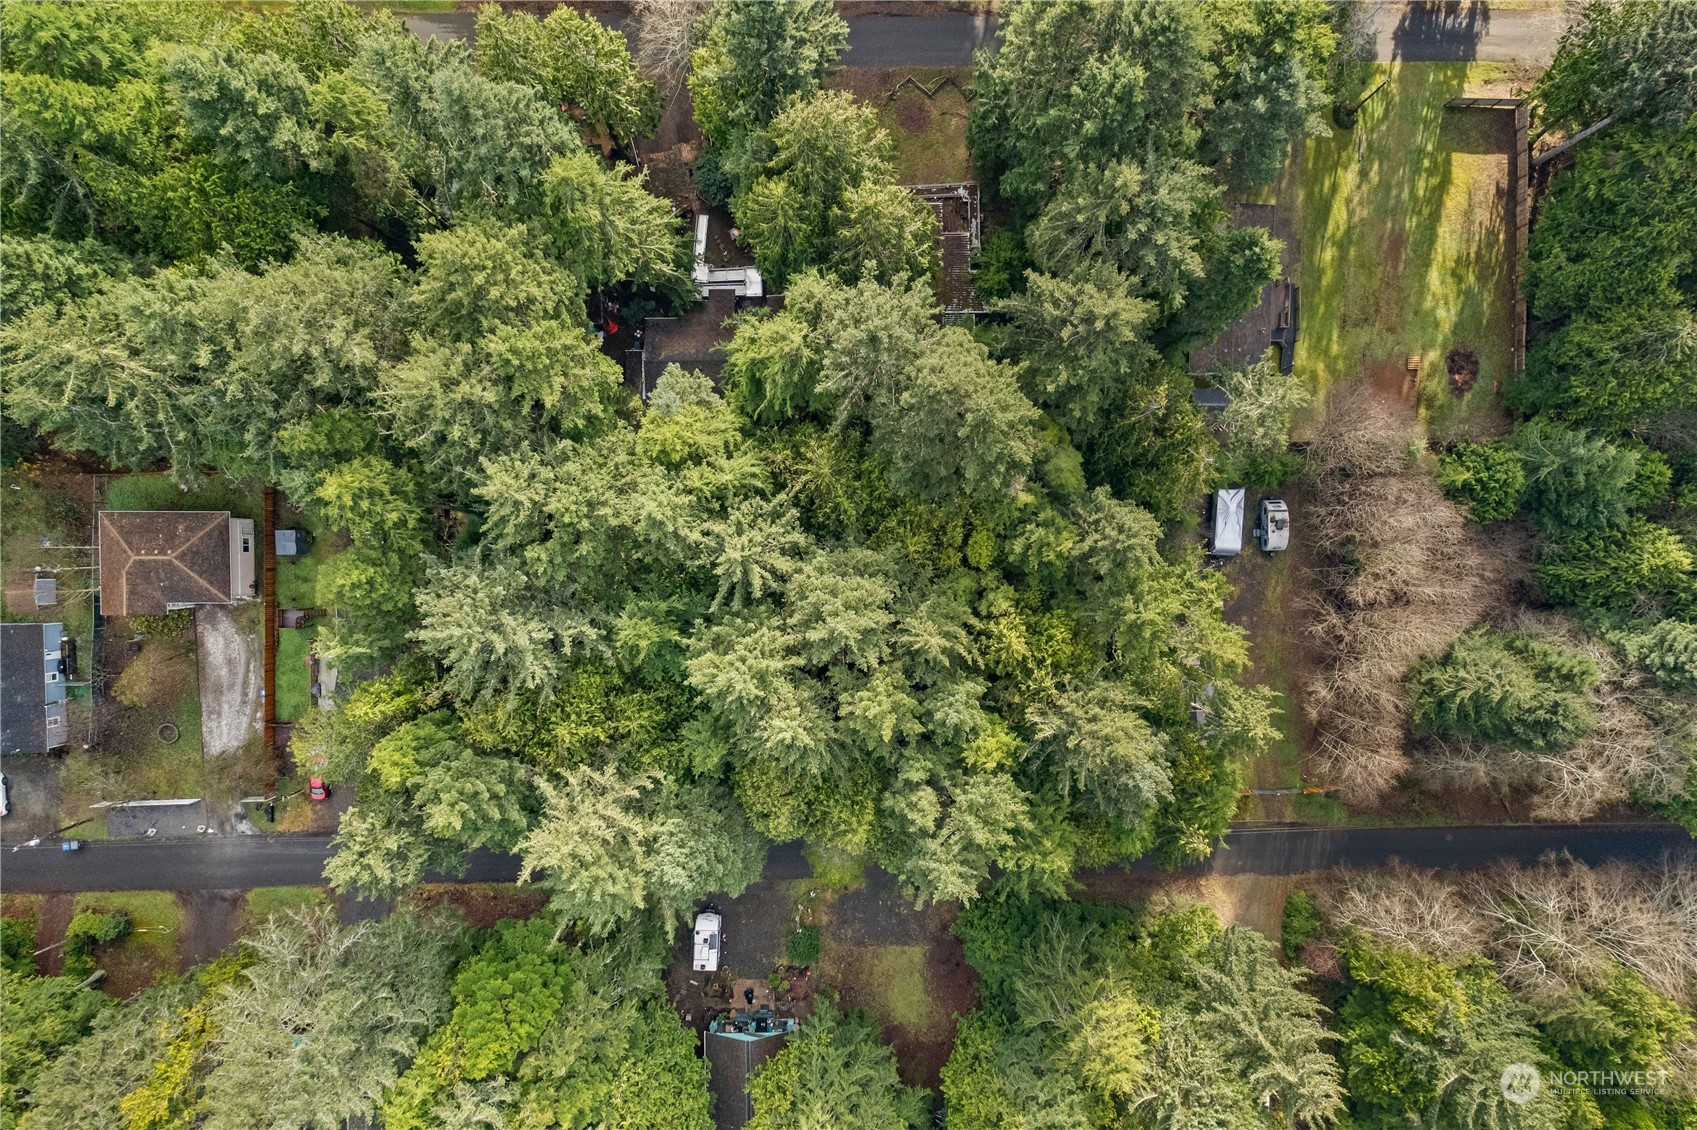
[{"x": 231, "y": 680}]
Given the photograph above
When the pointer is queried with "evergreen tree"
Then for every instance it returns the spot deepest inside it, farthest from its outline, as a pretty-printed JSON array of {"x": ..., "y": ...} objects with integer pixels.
[
  {"x": 1487, "y": 478},
  {"x": 1514, "y": 689},
  {"x": 834, "y": 1073}
]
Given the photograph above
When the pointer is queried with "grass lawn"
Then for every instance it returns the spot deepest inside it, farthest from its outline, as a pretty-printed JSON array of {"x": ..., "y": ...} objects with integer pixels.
[
  {"x": 243, "y": 499},
  {"x": 263, "y": 902},
  {"x": 297, "y": 578},
  {"x": 1404, "y": 242},
  {"x": 294, "y": 677},
  {"x": 136, "y": 962},
  {"x": 131, "y": 761},
  {"x": 929, "y": 130},
  {"x": 890, "y": 982}
]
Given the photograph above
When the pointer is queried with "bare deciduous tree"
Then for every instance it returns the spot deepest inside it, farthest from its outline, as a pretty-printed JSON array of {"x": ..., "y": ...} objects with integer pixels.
[
  {"x": 1560, "y": 923},
  {"x": 1402, "y": 574},
  {"x": 1640, "y": 748},
  {"x": 1548, "y": 927},
  {"x": 1412, "y": 907},
  {"x": 665, "y": 35}
]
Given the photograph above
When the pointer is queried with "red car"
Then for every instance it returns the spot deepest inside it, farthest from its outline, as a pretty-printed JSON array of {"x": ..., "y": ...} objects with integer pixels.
[{"x": 317, "y": 789}]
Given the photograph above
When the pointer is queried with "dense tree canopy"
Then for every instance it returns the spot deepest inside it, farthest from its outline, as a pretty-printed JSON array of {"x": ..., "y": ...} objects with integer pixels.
[
  {"x": 1114, "y": 132},
  {"x": 827, "y": 197},
  {"x": 896, "y": 587},
  {"x": 1609, "y": 460},
  {"x": 1096, "y": 1017},
  {"x": 755, "y": 56},
  {"x": 410, "y": 1022}
]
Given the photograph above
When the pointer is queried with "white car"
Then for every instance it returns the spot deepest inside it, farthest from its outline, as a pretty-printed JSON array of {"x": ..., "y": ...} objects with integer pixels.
[{"x": 709, "y": 940}]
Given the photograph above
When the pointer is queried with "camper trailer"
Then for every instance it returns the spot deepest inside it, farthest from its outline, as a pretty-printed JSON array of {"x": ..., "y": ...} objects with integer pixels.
[
  {"x": 709, "y": 937},
  {"x": 1228, "y": 522},
  {"x": 1274, "y": 530}
]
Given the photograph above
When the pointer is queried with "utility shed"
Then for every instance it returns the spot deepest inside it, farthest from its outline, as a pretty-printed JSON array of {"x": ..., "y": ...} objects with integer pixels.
[
  {"x": 1275, "y": 320},
  {"x": 734, "y": 1058},
  {"x": 32, "y": 687}
]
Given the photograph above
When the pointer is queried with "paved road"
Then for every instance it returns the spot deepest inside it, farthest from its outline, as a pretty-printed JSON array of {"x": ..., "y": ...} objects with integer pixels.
[
  {"x": 1410, "y": 32},
  {"x": 1465, "y": 32},
  {"x": 240, "y": 862}
]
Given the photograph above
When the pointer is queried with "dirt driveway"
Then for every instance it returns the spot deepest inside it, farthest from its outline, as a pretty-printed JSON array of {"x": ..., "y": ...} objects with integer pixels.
[
  {"x": 231, "y": 678},
  {"x": 32, "y": 785}
]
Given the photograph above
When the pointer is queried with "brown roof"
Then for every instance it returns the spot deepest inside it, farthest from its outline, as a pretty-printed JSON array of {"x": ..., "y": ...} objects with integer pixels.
[
  {"x": 732, "y": 1061},
  {"x": 153, "y": 558},
  {"x": 1247, "y": 340}
]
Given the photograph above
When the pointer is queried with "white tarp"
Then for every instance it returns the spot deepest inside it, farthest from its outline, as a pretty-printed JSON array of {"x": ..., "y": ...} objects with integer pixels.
[{"x": 1228, "y": 522}]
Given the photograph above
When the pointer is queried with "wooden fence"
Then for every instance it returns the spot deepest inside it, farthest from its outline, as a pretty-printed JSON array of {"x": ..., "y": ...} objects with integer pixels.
[{"x": 1518, "y": 221}]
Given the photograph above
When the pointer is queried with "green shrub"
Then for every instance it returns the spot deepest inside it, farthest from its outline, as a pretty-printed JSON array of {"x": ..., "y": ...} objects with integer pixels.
[
  {"x": 1487, "y": 478},
  {"x": 88, "y": 930},
  {"x": 1574, "y": 480},
  {"x": 1519, "y": 690},
  {"x": 173, "y": 623},
  {"x": 803, "y": 946},
  {"x": 1001, "y": 266},
  {"x": 17, "y": 945},
  {"x": 711, "y": 178},
  {"x": 1612, "y": 570},
  {"x": 1652, "y": 486},
  {"x": 1302, "y": 921},
  {"x": 1667, "y": 650}
]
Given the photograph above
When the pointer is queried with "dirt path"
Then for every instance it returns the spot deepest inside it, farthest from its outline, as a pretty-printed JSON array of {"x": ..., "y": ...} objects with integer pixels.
[
  {"x": 230, "y": 680},
  {"x": 53, "y": 916},
  {"x": 211, "y": 920},
  {"x": 1268, "y": 603}
]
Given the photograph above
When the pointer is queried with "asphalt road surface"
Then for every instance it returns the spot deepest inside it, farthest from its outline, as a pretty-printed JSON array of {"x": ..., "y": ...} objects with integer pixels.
[
  {"x": 241, "y": 862},
  {"x": 1410, "y": 32}
]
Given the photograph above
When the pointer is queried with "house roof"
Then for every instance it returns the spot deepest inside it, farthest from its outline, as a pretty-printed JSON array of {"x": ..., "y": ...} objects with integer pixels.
[
  {"x": 1247, "y": 340},
  {"x": 24, "y": 697},
  {"x": 733, "y": 1059},
  {"x": 150, "y": 559}
]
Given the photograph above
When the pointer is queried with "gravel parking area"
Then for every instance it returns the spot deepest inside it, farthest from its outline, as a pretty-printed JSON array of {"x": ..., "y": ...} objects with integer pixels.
[{"x": 231, "y": 680}]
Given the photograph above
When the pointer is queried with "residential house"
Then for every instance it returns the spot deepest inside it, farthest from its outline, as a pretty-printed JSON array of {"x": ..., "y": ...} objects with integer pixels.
[
  {"x": 32, "y": 687},
  {"x": 154, "y": 561},
  {"x": 735, "y": 1048}
]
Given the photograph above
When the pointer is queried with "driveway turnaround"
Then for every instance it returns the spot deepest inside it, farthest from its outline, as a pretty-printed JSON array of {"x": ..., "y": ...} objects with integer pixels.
[{"x": 241, "y": 862}]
